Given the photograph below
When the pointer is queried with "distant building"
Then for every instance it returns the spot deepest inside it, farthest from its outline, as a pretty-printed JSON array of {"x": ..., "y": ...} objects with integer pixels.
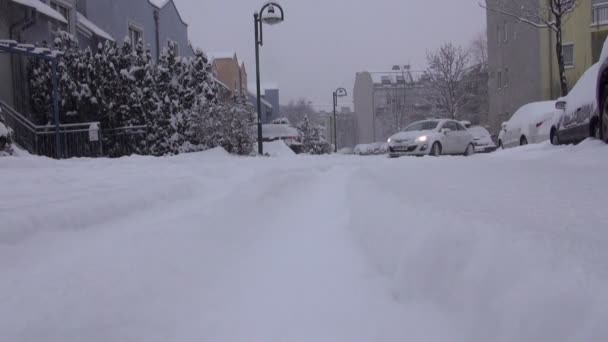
[
  {"x": 522, "y": 61},
  {"x": 346, "y": 129},
  {"x": 270, "y": 95},
  {"x": 229, "y": 71},
  {"x": 387, "y": 101},
  {"x": 267, "y": 107}
]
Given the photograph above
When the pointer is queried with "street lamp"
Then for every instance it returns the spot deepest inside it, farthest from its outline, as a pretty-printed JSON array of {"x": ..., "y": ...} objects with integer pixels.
[
  {"x": 340, "y": 92},
  {"x": 267, "y": 15}
]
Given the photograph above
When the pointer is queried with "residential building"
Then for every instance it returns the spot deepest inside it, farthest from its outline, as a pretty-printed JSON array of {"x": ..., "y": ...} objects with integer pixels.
[
  {"x": 522, "y": 60},
  {"x": 267, "y": 107},
  {"x": 270, "y": 100},
  {"x": 387, "y": 101},
  {"x": 271, "y": 94},
  {"x": 156, "y": 22},
  {"x": 346, "y": 128},
  {"x": 229, "y": 71}
]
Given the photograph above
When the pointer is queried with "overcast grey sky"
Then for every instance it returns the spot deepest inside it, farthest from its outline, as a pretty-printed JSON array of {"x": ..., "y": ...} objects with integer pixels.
[{"x": 323, "y": 43}]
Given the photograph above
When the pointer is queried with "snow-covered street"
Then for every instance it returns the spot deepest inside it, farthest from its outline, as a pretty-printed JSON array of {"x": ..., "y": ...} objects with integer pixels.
[{"x": 510, "y": 246}]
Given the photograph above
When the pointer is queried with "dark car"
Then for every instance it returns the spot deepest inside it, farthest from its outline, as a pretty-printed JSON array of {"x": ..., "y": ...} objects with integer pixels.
[
  {"x": 577, "y": 115},
  {"x": 602, "y": 93}
]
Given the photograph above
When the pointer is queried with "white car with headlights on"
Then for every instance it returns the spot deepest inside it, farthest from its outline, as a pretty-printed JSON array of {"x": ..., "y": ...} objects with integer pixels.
[{"x": 432, "y": 137}]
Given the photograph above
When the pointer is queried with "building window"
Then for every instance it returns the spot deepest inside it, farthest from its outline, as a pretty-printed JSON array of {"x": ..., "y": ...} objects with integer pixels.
[
  {"x": 505, "y": 34},
  {"x": 135, "y": 35},
  {"x": 568, "y": 51},
  {"x": 65, "y": 12},
  {"x": 498, "y": 35},
  {"x": 499, "y": 80},
  {"x": 506, "y": 77},
  {"x": 173, "y": 44}
]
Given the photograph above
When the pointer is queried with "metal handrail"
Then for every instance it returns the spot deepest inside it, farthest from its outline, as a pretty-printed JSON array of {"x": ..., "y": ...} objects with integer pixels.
[{"x": 18, "y": 117}]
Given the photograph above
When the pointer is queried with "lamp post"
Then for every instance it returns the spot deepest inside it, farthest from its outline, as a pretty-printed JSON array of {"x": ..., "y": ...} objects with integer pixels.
[
  {"x": 340, "y": 92},
  {"x": 267, "y": 15}
]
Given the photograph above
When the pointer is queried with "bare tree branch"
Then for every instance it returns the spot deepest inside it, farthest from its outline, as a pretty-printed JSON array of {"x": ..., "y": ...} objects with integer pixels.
[{"x": 546, "y": 24}]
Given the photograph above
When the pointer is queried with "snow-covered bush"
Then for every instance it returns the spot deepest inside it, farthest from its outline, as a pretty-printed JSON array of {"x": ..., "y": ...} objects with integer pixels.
[
  {"x": 122, "y": 86},
  {"x": 311, "y": 138},
  {"x": 6, "y": 138}
]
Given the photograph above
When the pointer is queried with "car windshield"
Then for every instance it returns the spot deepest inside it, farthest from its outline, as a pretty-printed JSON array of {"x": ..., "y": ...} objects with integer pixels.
[{"x": 422, "y": 126}]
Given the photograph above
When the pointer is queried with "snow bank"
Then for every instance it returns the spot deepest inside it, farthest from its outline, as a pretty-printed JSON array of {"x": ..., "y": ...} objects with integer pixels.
[
  {"x": 278, "y": 148},
  {"x": 3, "y": 130},
  {"x": 503, "y": 247},
  {"x": 505, "y": 253},
  {"x": 369, "y": 149}
]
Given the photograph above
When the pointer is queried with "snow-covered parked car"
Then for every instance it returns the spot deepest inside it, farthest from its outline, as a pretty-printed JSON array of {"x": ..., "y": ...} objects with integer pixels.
[
  {"x": 482, "y": 139},
  {"x": 285, "y": 132},
  {"x": 432, "y": 137},
  {"x": 601, "y": 92},
  {"x": 577, "y": 114},
  {"x": 531, "y": 124},
  {"x": 371, "y": 149}
]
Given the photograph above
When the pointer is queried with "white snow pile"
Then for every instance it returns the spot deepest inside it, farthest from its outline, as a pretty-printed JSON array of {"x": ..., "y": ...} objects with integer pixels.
[
  {"x": 504, "y": 247},
  {"x": 3, "y": 130},
  {"x": 278, "y": 148},
  {"x": 370, "y": 149}
]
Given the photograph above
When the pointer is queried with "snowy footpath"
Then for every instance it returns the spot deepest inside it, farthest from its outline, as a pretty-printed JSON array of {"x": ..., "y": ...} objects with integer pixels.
[{"x": 511, "y": 246}]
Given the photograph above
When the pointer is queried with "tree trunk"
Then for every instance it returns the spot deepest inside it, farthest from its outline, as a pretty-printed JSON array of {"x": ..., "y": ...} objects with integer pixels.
[{"x": 560, "y": 56}]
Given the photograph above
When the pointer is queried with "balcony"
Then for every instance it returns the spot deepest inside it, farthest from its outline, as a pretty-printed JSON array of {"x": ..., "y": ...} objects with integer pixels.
[{"x": 600, "y": 13}]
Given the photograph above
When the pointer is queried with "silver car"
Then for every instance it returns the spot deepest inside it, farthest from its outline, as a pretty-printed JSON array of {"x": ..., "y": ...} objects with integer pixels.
[{"x": 432, "y": 137}]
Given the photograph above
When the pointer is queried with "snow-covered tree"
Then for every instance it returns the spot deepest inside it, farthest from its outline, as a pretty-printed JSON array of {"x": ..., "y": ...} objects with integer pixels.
[{"x": 312, "y": 141}]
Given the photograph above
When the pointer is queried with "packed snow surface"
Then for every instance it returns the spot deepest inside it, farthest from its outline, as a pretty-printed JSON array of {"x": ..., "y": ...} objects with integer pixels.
[{"x": 505, "y": 247}]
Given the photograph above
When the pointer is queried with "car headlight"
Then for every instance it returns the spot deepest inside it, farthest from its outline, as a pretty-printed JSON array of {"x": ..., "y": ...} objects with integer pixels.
[
  {"x": 389, "y": 140},
  {"x": 422, "y": 139}
]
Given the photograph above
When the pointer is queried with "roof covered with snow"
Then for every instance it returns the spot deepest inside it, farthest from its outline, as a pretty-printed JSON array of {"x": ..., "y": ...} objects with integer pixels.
[
  {"x": 160, "y": 4},
  {"x": 42, "y": 8},
  {"x": 221, "y": 55},
  {"x": 89, "y": 25},
  {"x": 392, "y": 78},
  {"x": 254, "y": 95}
]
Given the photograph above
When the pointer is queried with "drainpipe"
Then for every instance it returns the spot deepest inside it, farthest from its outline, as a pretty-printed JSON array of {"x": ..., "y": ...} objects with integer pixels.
[
  {"x": 157, "y": 32},
  {"x": 551, "y": 47}
]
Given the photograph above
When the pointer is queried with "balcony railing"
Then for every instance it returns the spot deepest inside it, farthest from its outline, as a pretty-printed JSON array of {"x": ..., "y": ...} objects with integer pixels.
[{"x": 600, "y": 13}]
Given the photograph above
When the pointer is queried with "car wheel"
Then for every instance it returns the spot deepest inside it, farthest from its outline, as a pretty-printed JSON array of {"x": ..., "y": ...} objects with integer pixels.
[
  {"x": 436, "y": 150},
  {"x": 523, "y": 141},
  {"x": 554, "y": 138},
  {"x": 469, "y": 151}
]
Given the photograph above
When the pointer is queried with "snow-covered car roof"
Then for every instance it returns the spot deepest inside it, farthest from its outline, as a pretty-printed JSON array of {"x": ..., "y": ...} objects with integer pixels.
[
  {"x": 479, "y": 131},
  {"x": 274, "y": 131},
  {"x": 532, "y": 112},
  {"x": 583, "y": 92}
]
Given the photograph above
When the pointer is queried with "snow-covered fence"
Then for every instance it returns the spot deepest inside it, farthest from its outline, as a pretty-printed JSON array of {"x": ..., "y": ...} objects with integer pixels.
[
  {"x": 124, "y": 141},
  {"x": 77, "y": 140}
]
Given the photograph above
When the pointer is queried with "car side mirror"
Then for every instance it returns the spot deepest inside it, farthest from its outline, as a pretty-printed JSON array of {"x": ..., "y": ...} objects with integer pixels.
[
  {"x": 560, "y": 105},
  {"x": 445, "y": 130},
  {"x": 503, "y": 126}
]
